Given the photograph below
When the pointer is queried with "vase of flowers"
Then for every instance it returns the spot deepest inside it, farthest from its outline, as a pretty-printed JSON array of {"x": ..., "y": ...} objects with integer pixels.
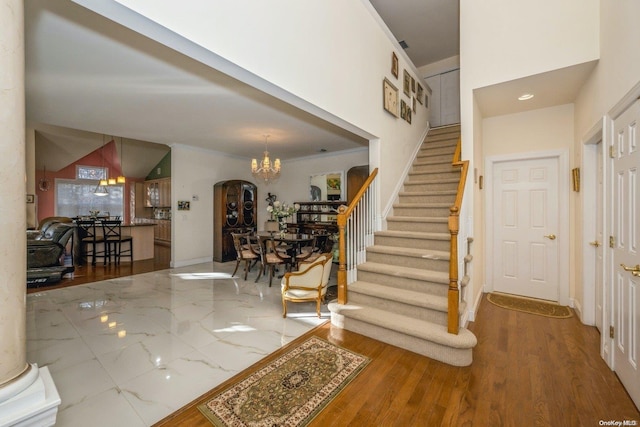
[{"x": 281, "y": 211}]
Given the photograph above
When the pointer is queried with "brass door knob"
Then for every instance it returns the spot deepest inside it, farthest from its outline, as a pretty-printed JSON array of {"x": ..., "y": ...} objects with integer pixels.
[
  {"x": 595, "y": 243},
  {"x": 550, "y": 236}
]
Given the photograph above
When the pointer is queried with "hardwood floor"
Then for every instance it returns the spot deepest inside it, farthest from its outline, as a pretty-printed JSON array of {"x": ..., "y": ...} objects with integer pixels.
[
  {"x": 86, "y": 273},
  {"x": 527, "y": 370}
]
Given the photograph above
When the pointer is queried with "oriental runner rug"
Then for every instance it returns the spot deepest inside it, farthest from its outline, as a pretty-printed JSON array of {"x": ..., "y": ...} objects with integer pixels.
[
  {"x": 530, "y": 305},
  {"x": 290, "y": 391}
]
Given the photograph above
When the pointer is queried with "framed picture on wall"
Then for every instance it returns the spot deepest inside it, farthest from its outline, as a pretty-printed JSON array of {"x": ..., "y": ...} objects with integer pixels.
[
  {"x": 406, "y": 83},
  {"x": 394, "y": 64},
  {"x": 390, "y": 97},
  {"x": 419, "y": 92}
]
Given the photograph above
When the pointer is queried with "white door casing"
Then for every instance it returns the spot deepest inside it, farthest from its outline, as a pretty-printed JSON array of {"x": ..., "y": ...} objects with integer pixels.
[
  {"x": 625, "y": 229},
  {"x": 597, "y": 244},
  {"x": 527, "y": 225}
]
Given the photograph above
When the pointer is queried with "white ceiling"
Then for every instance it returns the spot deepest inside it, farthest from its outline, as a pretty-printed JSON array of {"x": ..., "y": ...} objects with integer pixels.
[{"x": 429, "y": 27}]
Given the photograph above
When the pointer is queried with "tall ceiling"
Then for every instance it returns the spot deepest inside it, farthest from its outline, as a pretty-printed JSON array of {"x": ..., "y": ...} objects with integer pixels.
[
  {"x": 87, "y": 76},
  {"x": 430, "y": 28}
]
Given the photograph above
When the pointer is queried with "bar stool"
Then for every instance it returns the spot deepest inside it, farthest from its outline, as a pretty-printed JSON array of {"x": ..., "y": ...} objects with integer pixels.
[
  {"x": 113, "y": 240},
  {"x": 89, "y": 240}
]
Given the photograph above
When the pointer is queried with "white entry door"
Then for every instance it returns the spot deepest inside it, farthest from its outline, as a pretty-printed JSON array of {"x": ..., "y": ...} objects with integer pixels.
[
  {"x": 626, "y": 249},
  {"x": 525, "y": 228}
]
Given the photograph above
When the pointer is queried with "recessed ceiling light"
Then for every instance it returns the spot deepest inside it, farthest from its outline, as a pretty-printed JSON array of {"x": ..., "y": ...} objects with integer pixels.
[{"x": 525, "y": 96}]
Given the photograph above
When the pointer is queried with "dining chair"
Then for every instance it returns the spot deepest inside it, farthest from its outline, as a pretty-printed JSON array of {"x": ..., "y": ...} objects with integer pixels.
[
  {"x": 243, "y": 252},
  {"x": 308, "y": 252},
  {"x": 270, "y": 257},
  {"x": 89, "y": 241},
  {"x": 309, "y": 283},
  {"x": 113, "y": 241}
]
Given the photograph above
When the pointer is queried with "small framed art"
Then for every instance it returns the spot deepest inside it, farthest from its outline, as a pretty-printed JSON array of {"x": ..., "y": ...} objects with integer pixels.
[
  {"x": 394, "y": 64},
  {"x": 419, "y": 92},
  {"x": 406, "y": 83},
  {"x": 390, "y": 97}
]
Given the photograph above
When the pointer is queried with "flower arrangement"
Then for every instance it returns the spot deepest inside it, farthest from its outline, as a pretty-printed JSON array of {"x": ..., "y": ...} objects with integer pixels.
[{"x": 280, "y": 211}]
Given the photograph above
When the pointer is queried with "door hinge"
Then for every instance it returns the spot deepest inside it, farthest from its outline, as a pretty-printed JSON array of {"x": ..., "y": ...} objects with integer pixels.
[
  {"x": 612, "y": 151},
  {"x": 612, "y": 241},
  {"x": 611, "y": 331}
]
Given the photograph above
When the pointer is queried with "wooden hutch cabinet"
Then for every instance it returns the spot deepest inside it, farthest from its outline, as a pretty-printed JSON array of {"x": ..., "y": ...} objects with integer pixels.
[{"x": 235, "y": 211}]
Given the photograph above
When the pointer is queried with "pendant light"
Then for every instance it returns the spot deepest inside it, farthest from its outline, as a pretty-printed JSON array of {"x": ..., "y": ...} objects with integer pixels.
[
  {"x": 111, "y": 181},
  {"x": 101, "y": 188},
  {"x": 121, "y": 179}
]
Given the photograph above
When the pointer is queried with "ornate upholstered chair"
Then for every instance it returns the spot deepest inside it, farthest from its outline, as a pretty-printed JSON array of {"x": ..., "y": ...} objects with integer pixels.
[{"x": 309, "y": 283}]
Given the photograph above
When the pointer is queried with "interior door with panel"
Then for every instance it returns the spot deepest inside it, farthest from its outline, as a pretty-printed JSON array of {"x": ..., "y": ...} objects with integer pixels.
[
  {"x": 625, "y": 242},
  {"x": 526, "y": 228}
]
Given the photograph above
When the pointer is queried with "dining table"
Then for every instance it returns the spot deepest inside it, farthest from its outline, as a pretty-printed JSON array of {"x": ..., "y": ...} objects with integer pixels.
[{"x": 292, "y": 244}]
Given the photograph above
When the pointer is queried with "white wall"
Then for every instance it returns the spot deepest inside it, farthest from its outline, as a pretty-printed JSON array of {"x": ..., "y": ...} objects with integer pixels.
[
  {"x": 502, "y": 40},
  {"x": 619, "y": 67},
  {"x": 537, "y": 130}
]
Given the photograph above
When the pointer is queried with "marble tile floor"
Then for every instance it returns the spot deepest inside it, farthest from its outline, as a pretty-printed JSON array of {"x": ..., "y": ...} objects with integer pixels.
[{"x": 130, "y": 351}]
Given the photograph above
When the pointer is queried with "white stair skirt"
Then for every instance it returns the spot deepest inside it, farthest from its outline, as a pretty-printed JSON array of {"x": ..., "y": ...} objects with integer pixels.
[{"x": 35, "y": 402}]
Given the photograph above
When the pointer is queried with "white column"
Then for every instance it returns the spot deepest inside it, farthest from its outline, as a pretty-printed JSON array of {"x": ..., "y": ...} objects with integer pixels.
[
  {"x": 27, "y": 394},
  {"x": 12, "y": 193}
]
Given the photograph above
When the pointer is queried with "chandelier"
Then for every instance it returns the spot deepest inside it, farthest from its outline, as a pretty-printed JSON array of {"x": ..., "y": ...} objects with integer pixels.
[{"x": 266, "y": 171}]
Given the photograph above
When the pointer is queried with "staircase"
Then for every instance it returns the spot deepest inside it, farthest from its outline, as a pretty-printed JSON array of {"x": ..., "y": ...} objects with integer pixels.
[{"x": 400, "y": 296}]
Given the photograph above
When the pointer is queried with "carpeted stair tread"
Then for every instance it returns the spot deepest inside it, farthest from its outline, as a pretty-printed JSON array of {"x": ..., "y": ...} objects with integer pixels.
[
  {"x": 428, "y": 193},
  {"x": 431, "y": 181},
  {"x": 405, "y": 296},
  {"x": 407, "y": 272},
  {"x": 422, "y": 205},
  {"x": 409, "y": 252},
  {"x": 418, "y": 219},
  {"x": 414, "y": 235},
  {"x": 432, "y": 163},
  {"x": 418, "y": 328}
]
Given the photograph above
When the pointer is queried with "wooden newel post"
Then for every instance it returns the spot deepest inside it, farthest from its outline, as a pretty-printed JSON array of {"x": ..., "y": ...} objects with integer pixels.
[
  {"x": 342, "y": 257},
  {"x": 453, "y": 294}
]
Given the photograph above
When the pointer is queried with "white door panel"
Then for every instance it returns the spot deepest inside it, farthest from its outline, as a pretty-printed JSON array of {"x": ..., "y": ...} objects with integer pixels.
[
  {"x": 525, "y": 209},
  {"x": 626, "y": 238}
]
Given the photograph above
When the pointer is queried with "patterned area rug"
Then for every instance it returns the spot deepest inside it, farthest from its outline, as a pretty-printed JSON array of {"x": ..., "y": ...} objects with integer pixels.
[
  {"x": 290, "y": 391},
  {"x": 529, "y": 305}
]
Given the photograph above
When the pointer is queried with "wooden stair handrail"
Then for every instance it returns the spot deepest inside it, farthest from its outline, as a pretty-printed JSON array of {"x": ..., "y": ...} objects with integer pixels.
[
  {"x": 343, "y": 214},
  {"x": 453, "y": 316}
]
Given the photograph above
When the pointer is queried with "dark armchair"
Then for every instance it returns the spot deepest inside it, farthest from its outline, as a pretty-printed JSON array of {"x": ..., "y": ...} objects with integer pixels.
[{"x": 50, "y": 256}]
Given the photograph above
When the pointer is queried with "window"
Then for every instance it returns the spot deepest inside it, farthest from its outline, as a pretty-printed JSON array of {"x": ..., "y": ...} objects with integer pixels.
[
  {"x": 74, "y": 197},
  {"x": 92, "y": 172}
]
